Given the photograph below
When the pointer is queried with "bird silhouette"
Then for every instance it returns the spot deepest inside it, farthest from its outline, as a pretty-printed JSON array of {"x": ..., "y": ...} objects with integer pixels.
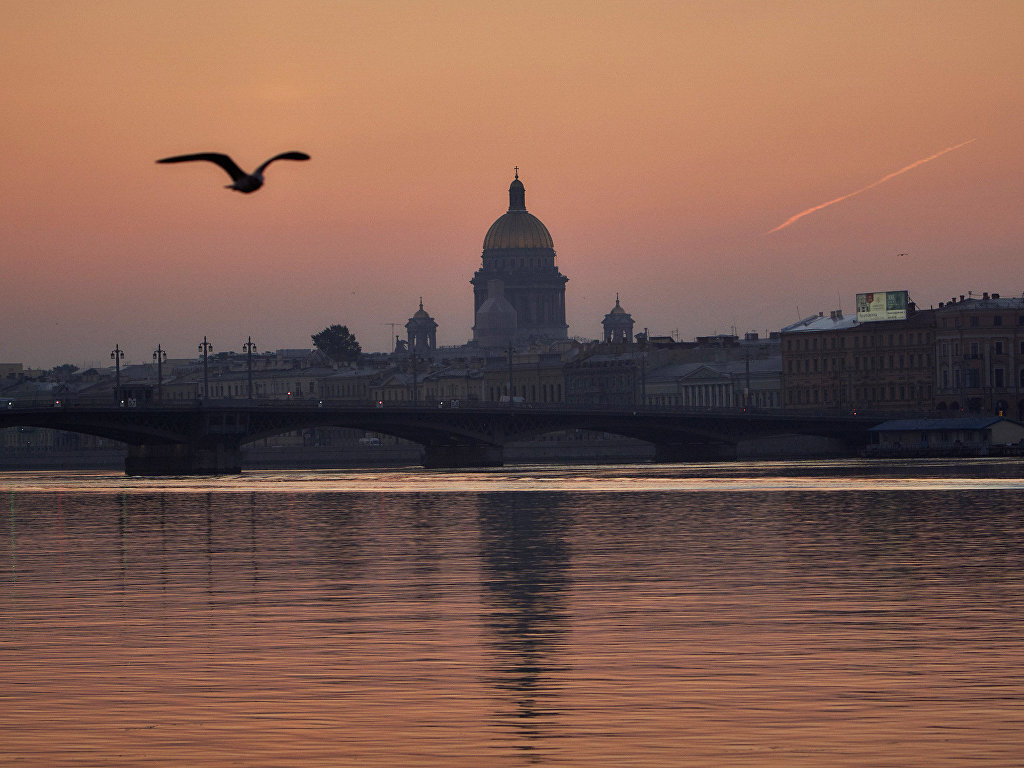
[{"x": 242, "y": 181}]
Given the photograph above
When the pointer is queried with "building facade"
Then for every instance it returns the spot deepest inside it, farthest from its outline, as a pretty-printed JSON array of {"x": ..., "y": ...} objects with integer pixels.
[
  {"x": 980, "y": 356},
  {"x": 835, "y": 363}
]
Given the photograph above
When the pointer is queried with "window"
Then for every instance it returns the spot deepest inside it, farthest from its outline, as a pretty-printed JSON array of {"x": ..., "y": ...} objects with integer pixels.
[
  {"x": 999, "y": 377},
  {"x": 997, "y": 320},
  {"x": 974, "y": 322},
  {"x": 999, "y": 348}
]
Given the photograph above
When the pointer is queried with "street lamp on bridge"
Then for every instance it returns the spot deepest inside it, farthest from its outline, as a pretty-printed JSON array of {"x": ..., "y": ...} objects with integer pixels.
[
  {"x": 117, "y": 356},
  {"x": 206, "y": 348},
  {"x": 249, "y": 348},
  {"x": 511, "y": 389},
  {"x": 159, "y": 356}
]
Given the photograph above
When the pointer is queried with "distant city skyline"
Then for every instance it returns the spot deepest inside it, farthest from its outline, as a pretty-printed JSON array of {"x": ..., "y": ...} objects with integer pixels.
[{"x": 660, "y": 144}]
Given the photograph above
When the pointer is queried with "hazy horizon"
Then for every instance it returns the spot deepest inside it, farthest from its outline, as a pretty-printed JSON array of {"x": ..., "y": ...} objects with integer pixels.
[{"x": 719, "y": 165}]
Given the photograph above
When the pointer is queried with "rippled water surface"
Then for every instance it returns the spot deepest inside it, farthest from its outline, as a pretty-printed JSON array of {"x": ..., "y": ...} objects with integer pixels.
[{"x": 808, "y": 614}]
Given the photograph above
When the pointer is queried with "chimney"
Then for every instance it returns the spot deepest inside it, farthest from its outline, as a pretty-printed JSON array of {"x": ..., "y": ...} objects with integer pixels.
[
  {"x": 995, "y": 295},
  {"x": 984, "y": 296}
]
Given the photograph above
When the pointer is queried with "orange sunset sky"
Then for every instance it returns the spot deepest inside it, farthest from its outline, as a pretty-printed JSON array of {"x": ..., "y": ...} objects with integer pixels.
[{"x": 660, "y": 142}]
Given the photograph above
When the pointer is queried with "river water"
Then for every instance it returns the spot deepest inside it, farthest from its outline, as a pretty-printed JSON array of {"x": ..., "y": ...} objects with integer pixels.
[{"x": 742, "y": 614}]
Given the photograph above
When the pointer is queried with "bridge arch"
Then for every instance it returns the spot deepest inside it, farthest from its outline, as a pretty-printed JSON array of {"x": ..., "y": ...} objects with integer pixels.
[{"x": 196, "y": 438}]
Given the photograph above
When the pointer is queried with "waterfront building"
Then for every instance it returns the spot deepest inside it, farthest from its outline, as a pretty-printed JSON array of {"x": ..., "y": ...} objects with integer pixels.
[
  {"x": 607, "y": 375},
  {"x": 453, "y": 386},
  {"x": 980, "y": 356},
  {"x": 518, "y": 271},
  {"x": 350, "y": 385},
  {"x": 535, "y": 375},
  {"x": 751, "y": 383},
  {"x": 962, "y": 436},
  {"x": 836, "y": 363}
]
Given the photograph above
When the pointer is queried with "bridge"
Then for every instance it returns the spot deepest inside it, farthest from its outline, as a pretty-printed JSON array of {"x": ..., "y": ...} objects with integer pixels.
[{"x": 206, "y": 437}]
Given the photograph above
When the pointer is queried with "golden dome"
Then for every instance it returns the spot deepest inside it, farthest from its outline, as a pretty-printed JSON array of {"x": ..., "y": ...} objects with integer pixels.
[{"x": 518, "y": 228}]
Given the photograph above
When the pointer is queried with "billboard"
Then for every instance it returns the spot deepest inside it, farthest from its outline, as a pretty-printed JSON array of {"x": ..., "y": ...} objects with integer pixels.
[{"x": 881, "y": 305}]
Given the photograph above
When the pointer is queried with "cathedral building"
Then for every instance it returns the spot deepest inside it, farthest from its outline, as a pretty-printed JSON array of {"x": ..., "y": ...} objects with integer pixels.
[{"x": 518, "y": 292}]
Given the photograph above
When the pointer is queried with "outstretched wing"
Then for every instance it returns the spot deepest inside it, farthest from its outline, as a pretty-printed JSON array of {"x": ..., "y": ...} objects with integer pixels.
[
  {"x": 283, "y": 156},
  {"x": 223, "y": 161}
]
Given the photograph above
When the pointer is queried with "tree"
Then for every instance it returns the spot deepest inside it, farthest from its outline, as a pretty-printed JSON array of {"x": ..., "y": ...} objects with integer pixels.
[
  {"x": 63, "y": 372},
  {"x": 337, "y": 343}
]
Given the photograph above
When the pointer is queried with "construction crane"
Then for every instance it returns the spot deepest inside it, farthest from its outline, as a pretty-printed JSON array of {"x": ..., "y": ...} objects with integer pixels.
[{"x": 394, "y": 338}]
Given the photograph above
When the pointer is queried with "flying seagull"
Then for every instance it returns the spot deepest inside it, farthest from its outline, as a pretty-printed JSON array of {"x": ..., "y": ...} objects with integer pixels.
[{"x": 243, "y": 182}]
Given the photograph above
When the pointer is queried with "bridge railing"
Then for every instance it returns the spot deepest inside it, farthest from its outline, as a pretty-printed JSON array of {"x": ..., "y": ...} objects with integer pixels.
[{"x": 102, "y": 403}]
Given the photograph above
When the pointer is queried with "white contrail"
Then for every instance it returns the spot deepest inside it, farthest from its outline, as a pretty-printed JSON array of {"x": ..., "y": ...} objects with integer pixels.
[{"x": 872, "y": 185}]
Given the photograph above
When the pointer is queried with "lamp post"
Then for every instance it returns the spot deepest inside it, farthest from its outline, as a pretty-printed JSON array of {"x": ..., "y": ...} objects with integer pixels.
[
  {"x": 509, "y": 352},
  {"x": 412, "y": 356},
  {"x": 117, "y": 356},
  {"x": 206, "y": 347},
  {"x": 249, "y": 348},
  {"x": 159, "y": 356}
]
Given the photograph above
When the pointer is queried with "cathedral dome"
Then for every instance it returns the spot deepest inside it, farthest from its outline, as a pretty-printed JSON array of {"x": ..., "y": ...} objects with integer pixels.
[{"x": 517, "y": 228}]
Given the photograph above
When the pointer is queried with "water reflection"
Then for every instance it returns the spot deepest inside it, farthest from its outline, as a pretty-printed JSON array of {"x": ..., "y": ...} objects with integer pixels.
[
  {"x": 293, "y": 625},
  {"x": 526, "y": 563}
]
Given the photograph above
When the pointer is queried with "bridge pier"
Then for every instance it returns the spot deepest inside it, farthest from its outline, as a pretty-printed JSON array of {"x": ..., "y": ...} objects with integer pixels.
[
  {"x": 182, "y": 459},
  {"x": 458, "y": 456},
  {"x": 690, "y": 452}
]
